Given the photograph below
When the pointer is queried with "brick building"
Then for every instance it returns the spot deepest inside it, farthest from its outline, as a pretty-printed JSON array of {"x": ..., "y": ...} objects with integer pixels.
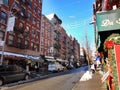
[
  {"x": 34, "y": 34},
  {"x": 24, "y": 40},
  {"x": 64, "y": 46}
]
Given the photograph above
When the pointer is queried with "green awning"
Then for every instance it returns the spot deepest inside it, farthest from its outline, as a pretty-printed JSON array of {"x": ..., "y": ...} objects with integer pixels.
[{"x": 108, "y": 20}]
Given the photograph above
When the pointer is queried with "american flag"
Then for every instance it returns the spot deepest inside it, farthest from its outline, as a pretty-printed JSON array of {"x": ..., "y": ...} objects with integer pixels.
[{"x": 16, "y": 7}]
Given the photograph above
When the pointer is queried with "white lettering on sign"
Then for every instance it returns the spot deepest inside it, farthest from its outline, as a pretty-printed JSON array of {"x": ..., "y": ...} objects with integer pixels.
[
  {"x": 118, "y": 21},
  {"x": 107, "y": 22}
]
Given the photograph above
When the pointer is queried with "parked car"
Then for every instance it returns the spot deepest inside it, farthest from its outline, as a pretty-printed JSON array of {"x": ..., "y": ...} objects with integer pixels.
[
  {"x": 55, "y": 67},
  {"x": 12, "y": 73}
]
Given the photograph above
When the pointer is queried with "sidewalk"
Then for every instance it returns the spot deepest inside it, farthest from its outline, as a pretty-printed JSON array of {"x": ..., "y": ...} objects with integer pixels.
[{"x": 92, "y": 84}]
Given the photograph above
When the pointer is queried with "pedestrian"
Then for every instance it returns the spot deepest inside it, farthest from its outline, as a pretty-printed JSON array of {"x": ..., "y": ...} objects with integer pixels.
[
  {"x": 97, "y": 61},
  {"x": 92, "y": 68},
  {"x": 36, "y": 68}
]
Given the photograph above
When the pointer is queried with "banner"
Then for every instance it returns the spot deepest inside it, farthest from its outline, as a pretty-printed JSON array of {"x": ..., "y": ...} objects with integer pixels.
[
  {"x": 11, "y": 22},
  {"x": 117, "y": 57},
  {"x": 2, "y": 43},
  {"x": 1, "y": 1}
]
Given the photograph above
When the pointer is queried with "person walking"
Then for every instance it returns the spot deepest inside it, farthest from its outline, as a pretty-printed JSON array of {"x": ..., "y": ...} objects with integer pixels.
[{"x": 97, "y": 61}]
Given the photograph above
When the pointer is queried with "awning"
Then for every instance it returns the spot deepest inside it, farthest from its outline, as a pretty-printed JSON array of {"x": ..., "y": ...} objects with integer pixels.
[
  {"x": 52, "y": 60},
  {"x": 108, "y": 20},
  {"x": 61, "y": 60},
  {"x": 13, "y": 54},
  {"x": 34, "y": 58}
]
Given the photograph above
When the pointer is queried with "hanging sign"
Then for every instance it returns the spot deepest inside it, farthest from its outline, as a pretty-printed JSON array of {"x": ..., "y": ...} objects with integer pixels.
[{"x": 11, "y": 22}]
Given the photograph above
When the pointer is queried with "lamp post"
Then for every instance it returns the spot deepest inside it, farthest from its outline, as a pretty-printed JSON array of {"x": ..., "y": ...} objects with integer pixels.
[{"x": 9, "y": 26}]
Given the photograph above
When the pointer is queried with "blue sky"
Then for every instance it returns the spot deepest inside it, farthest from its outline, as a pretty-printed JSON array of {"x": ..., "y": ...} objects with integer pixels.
[{"x": 75, "y": 15}]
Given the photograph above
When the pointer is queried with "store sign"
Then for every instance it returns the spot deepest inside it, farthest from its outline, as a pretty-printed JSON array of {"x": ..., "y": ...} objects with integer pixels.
[
  {"x": 109, "y": 20},
  {"x": 117, "y": 57}
]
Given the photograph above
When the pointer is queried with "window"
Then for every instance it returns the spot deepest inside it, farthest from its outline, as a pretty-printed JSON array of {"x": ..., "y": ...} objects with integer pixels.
[
  {"x": 29, "y": 16},
  {"x": 22, "y": 11},
  {"x": 32, "y": 46},
  {"x": 3, "y": 17},
  {"x": 34, "y": 20},
  {"x": 39, "y": 12},
  {"x": 26, "y": 44},
  {"x": 38, "y": 23},
  {"x": 42, "y": 41},
  {"x": 33, "y": 33},
  {"x": 27, "y": 30},
  {"x": 23, "y": 1},
  {"x": 38, "y": 34},
  {"x": 19, "y": 43},
  {"x": 1, "y": 36},
  {"x": 10, "y": 41},
  {"x": 29, "y": 3},
  {"x": 35, "y": 9},
  {"x": 40, "y": 2},
  {"x": 42, "y": 32},
  {"x": 21, "y": 27}
]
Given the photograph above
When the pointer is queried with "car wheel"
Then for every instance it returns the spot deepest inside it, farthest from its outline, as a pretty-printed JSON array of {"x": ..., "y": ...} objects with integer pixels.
[
  {"x": 1, "y": 82},
  {"x": 26, "y": 77}
]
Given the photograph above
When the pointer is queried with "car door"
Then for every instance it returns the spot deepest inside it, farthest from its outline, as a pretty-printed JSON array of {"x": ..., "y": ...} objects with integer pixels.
[
  {"x": 19, "y": 73},
  {"x": 9, "y": 72}
]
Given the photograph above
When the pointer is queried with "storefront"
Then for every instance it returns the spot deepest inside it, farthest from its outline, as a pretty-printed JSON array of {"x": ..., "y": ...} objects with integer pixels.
[
  {"x": 107, "y": 23},
  {"x": 14, "y": 58},
  {"x": 108, "y": 28}
]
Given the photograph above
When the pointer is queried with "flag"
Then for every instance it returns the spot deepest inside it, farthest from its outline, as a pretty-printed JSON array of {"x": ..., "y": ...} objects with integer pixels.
[
  {"x": 1, "y": 1},
  {"x": 11, "y": 22},
  {"x": 16, "y": 7},
  {"x": 2, "y": 43}
]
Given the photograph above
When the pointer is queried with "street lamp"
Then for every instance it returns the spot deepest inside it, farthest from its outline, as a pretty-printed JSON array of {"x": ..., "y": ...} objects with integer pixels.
[{"x": 9, "y": 27}]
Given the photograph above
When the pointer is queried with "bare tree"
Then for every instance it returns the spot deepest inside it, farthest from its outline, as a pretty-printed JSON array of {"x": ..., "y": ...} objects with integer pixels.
[{"x": 87, "y": 47}]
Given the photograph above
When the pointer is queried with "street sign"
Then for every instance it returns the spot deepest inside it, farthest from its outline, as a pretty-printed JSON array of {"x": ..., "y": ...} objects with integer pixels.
[{"x": 108, "y": 20}]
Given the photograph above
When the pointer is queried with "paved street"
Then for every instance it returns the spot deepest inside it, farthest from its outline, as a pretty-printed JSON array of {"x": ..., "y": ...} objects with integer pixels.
[
  {"x": 56, "y": 81},
  {"x": 69, "y": 80},
  {"x": 64, "y": 82}
]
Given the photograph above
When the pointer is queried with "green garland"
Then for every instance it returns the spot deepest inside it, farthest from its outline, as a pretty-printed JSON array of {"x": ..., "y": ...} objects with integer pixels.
[{"x": 116, "y": 39}]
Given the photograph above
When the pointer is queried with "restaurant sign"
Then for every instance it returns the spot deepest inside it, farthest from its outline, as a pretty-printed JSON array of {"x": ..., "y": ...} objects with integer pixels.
[{"x": 108, "y": 20}]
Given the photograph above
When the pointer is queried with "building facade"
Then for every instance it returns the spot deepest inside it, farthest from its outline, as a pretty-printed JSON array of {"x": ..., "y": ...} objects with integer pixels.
[
  {"x": 24, "y": 40},
  {"x": 105, "y": 12},
  {"x": 34, "y": 34}
]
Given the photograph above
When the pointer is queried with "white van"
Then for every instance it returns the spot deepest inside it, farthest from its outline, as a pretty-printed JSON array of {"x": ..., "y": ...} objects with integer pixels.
[{"x": 55, "y": 66}]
